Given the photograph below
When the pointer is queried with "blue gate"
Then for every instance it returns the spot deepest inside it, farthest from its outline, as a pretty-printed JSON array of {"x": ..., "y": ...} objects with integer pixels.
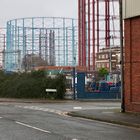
[{"x": 102, "y": 93}]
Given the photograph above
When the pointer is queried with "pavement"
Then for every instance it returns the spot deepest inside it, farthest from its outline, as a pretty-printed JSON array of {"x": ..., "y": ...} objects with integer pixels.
[
  {"x": 14, "y": 100},
  {"x": 114, "y": 116},
  {"x": 108, "y": 115}
]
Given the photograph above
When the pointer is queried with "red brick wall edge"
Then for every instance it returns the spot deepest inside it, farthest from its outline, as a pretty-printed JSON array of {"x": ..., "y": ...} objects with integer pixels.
[{"x": 132, "y": 65}]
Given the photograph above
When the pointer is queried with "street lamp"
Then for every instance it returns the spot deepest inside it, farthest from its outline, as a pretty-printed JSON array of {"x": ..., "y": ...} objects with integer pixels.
[
  {"x": 110, "y": 60},
  {"x": 74, "y": 93},
  {"x": 73, "y": 71}
]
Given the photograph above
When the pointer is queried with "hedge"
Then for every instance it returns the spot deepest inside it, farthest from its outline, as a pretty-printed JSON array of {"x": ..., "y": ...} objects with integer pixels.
[{"x": 31, "y": 85}]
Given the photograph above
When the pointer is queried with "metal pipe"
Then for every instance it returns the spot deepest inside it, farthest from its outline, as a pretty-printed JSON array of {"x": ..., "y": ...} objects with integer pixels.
[
  {"x": 64, "y": 42},
  {"x": 88, "y": 34},
  {"x": 106, "y": 24},
  {"x": 33, "y": 37},
  {"x": 85, "y": 35},
  {"x": 40, "y": 43},
  {"x": 67, "y": 47},
  {"x": 82, "y": 32},
  {"x": 98, "y": 26},
  {"x": 79, "y": 31},
  {"x": 93, "y": 32},
  {"x": 46, "y": 45},
  {"x": 108, "y": 15},
  {"x": 73, "y": 45}
]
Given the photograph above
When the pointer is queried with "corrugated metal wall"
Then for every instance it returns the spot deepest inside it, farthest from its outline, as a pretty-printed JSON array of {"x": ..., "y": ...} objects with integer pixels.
[{"x": 131, "y": 8}]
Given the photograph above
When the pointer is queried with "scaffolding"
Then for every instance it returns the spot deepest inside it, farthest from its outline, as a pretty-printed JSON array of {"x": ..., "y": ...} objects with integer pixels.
[
  {"x": 98, "y": 24},
  {"x": 41, "y": 41}
]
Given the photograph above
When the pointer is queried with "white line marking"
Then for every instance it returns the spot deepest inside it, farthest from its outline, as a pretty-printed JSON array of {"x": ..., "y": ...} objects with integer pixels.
[
  {"x": 29, "y": 126},
  {"x": 59, "y": 112},
  {"x": 107, "y": 112},
  {"x": 78, "y": 107}
]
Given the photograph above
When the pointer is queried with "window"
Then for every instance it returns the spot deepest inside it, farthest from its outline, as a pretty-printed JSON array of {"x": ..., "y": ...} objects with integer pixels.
[
  {"x": 103, "y": 65},
  {"x": 107, "y": 65},
  {"x": 106, "y": 56},
  {"x": 98, "y": 65}
]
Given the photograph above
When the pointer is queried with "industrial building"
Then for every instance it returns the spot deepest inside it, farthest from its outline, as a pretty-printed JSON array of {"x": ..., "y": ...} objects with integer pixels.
[
  {"x": 108, "y": 58},
  {"x": 99, "y": 28},
  {"x": 40, "y": 41},
  {"x": 59, "y": 41}
]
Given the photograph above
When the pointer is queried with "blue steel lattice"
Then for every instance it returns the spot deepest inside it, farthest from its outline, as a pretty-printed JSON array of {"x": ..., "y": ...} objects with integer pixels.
[{"x": 52, "y": 39}]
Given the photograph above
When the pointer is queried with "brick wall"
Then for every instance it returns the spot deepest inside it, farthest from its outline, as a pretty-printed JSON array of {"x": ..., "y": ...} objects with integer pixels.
[{"x": 132, "y": 64}]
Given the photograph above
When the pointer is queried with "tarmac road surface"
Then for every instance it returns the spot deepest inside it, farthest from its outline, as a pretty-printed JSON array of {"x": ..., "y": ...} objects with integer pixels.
[{"x": 36, "y": 121}]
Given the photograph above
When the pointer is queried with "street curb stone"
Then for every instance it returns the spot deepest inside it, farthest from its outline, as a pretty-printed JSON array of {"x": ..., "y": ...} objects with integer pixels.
[{"x": 76, "y": 114}]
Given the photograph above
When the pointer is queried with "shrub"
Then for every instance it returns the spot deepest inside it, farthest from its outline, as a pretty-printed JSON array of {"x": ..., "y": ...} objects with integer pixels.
[
  {"x": 30, "y": 85},
  {"x": 103, "y": 72}
]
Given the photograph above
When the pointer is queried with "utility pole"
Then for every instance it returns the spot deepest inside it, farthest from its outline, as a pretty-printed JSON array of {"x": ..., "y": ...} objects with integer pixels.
[{"x": 122, "y": 58}]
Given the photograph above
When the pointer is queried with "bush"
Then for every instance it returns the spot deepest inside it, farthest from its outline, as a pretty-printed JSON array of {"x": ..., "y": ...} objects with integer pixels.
[
  {"x": 30, "y": 85},
  {"x": 103, "y": 72}
]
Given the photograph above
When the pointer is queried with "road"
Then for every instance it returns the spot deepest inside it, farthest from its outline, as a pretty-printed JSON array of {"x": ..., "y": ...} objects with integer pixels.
[{"x": 36, "y": 121}]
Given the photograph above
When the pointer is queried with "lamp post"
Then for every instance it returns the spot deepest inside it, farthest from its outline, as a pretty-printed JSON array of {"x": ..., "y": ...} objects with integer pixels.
[
  {"x": 110, "y": 60},
  {"x": 74, "y": 93},
  {"x": 74, "y": 75}
]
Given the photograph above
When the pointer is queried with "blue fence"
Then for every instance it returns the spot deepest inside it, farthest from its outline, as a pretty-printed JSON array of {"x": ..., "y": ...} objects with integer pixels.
[{"x": 104, "y": 92}]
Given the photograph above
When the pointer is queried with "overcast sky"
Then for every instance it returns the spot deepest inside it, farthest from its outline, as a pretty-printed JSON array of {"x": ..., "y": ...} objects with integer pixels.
[{"x": 10, "y": 9}]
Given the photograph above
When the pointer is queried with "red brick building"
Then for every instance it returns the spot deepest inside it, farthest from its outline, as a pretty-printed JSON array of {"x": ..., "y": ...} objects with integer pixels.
[
  {"x": 108, "y": 58},
  {"x": 132, "y": 55}
]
